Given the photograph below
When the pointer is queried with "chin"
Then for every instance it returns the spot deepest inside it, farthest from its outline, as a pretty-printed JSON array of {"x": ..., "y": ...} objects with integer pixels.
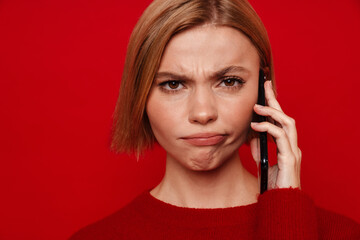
[
  {"x": 199, "y": 165},
  {"x": 205, "y": 162}
]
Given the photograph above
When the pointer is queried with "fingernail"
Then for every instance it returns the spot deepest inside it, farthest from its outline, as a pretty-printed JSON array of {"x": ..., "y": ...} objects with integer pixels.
[{"x": 258, "y": 105}]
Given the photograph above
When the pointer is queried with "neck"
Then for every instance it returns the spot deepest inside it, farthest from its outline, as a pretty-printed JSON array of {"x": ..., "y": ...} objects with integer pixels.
[{"x": 228, "y": 185}]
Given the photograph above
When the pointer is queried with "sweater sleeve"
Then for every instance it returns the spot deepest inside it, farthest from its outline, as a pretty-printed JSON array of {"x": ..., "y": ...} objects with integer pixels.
[
  {"x": 286, "y": 214},
  {"x": 335, "y": 226},
  {"x": 291, "y": 214}
]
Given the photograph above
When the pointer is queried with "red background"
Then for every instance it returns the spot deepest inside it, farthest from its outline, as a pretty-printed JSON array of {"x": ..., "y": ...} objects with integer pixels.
[{"x": 60, "y": 70}]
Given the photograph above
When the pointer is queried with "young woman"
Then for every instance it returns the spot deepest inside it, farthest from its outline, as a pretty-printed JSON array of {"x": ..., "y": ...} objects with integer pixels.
[{"x": 190, "y": 83}]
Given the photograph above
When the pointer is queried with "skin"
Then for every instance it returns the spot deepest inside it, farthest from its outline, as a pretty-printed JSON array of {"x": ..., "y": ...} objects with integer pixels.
[{"x": 200, "y": 109}]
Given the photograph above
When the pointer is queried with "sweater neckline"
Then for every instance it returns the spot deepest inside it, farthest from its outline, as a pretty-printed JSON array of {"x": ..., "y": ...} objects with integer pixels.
[{"x": 165, "y": 213}]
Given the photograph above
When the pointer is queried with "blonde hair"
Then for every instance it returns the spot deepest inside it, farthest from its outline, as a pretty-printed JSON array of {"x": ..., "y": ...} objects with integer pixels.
[{"x": 163, "y": 19}]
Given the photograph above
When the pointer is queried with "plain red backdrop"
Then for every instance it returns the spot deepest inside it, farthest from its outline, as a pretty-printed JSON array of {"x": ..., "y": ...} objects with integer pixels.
[{"x": 60, "y": 70}]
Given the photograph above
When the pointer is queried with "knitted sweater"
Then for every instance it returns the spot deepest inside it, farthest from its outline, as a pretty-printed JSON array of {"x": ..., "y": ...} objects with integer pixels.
[{"x": 278, "y": 214}]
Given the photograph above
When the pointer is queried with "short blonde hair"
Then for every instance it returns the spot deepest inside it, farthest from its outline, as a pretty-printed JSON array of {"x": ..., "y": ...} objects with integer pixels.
[{"x": 131, "y": 132}]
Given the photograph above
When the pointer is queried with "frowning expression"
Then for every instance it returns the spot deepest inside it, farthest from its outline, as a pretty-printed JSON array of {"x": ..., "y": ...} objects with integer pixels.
[{"x": 201, "y": 103}]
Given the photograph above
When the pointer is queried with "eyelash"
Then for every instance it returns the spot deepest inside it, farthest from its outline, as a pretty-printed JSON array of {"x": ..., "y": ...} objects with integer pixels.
[
  {"x": 165, "y": 87},
  {"x": 240, "y": 82},
  {"x": 165, "y": 84}
]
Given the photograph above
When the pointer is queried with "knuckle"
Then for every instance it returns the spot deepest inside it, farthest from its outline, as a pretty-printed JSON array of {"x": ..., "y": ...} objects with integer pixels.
[
  {"x": 282, "y": 132},
  {"x": 300, "y": 153},
  {"x": 290, "y": 121},
  {"x": 293, "y": 122}
]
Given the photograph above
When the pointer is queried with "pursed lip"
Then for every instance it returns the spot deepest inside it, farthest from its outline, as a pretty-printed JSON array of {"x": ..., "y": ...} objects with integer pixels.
[{"x": 204, "y": 139}]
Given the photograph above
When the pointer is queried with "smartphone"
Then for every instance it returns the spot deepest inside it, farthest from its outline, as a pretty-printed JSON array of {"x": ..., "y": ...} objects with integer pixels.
[{"x": 264, "y": 163}]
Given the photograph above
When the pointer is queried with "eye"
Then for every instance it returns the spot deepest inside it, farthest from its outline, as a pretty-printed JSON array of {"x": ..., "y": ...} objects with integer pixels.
[
  {"x": 231, "y": 82},
  {"x": 171, "y": 85}
]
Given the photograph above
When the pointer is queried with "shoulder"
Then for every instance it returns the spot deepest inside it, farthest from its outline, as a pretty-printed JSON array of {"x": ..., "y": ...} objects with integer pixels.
[
  {"x": 116, "y": 225},
  {"x": 332, "y": 225}
]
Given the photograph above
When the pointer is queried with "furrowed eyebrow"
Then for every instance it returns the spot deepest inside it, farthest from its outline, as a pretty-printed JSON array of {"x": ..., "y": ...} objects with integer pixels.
[
  {"x": 229, "y": 69},
  {"x": 217, "y": 74},
  {"x": 170, "y": 75}
]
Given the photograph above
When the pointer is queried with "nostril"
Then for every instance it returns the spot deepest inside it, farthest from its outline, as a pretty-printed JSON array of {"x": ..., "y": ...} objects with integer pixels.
[{"x": 203, "y": 117}]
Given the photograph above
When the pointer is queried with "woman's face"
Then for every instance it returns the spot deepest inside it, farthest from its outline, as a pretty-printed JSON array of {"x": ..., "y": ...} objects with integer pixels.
[{"x": 201, "y": 103}]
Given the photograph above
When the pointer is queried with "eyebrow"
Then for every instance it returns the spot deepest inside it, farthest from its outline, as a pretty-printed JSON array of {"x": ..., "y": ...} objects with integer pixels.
[
  {"x": 230, "y": 69},
  {"x": 217, "y": 74}
]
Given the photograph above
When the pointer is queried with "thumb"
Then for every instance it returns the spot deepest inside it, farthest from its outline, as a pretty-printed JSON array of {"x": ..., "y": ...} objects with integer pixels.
[
  {"x": 255, "y": 149},
  {"x": 255, "y": 152}
]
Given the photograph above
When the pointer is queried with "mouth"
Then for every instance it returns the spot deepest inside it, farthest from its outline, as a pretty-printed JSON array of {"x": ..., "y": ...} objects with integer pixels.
[{"x": 204, "y": 139}]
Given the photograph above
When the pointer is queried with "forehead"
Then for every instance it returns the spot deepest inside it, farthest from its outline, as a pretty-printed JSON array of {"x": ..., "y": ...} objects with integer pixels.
[{"x": 209, "y": 47}]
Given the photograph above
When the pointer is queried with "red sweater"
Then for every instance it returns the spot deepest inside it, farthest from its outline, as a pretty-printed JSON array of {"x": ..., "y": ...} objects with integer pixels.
[{"x": 278, "y": 214}]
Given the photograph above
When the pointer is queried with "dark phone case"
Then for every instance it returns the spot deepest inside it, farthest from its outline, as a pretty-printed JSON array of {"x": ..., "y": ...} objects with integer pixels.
[{"x": 264, "y": 165}]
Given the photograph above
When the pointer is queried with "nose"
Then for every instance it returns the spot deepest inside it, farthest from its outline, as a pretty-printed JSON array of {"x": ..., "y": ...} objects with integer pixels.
[{"x": 202, "y": 107}]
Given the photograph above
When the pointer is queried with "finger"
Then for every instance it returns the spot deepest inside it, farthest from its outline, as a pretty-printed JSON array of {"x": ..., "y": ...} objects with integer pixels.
[
  {"x": 270, "y": 96},
  {"x": 276, "y": 115},
  {"x": 286, "y": 122},
  {"x": 282, "y": 142}
]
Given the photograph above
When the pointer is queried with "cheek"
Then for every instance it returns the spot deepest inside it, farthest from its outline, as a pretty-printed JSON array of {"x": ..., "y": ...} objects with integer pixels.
[
  {"x": 156, "y": 116},
  {"x": 163, "y": 117},
  {"x": 239, "y": 113}
]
